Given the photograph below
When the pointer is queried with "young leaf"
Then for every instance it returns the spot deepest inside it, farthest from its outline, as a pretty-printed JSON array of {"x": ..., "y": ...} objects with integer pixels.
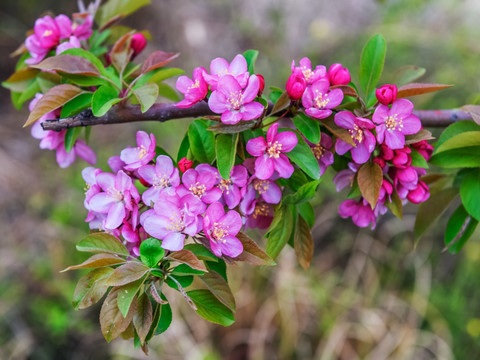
[
  {"x": 302, "y": 156},
  {"x": 146, "y": 96},
  {"x": 151, "y": 252},
  {"x": 70, "y": 138},
  {"x": 371, "y": 63},
  {"x": 188, "y": 258},
  {"x": 121, "y": 8},
  {"x": 69, "y": 64},
  {"x": 281, "y": 103},
  {"x": 127, "y": 273},
  {"x": 419, "y": 89},
  {"x": 222, "y": 128},
  {"x": 52, "y": 100},
  {"x": 303, "y": 243},
  {"x": 370, "y": 177},
  {"x": 308, "y": 127},
  {"x": 304, "y": 193},
  {"x": 76, "y": 105},
  {"x": 112, "y": 322},
  {"x": 470, "y": 192},
  {"x": 202, "y": 142},
  {"x": 201, "y": 252},
  {"x": 226, "y": 147},
  {"x": 127, "y": 294},
  {"x": 251, "y": 57},
  {"x": 103, "y": 99},
  {"x": 408, "y": 74},
  {"x": 91, "y": 288},
  {"x": 252, "y": 254},
  {"x": 279, "y": 231},
  {"x": 89, "y": 56},
  {"x": 96, "y": 261},
  {"x": 307, "y": 212},
  {"x": 121, "y": 52},
  {"x": 210, "y": 308},
  {"x": 103, "y": 243},
  {"x": 423, "y": 134},
  {"x": 157, "y": 59},
  {"x": 20, "y": 79},
  {"x": 143, "y": 317},
  {"x": 219, "y": 288}
]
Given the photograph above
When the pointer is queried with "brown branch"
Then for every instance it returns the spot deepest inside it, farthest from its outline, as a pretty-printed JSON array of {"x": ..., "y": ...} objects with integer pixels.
[{"x": 162, "y": 112}]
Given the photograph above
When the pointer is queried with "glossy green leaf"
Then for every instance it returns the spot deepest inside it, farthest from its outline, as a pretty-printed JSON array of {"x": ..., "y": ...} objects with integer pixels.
[
  {"x": 102, "y": 242},
  {"x": 76, "y": 105},
  {"x": 184, "y": 281},
  {"x": 418, "y": 160},
  {"x": 122, "y": 8},
  {"x": 307, "y": 212},
  {"x": 466, "y": 232},
  {"x": 210, "y": 308},
  {"x": 165, "y": 317},
  {"x": 309, "y": 127},
  {"x": 146, "y": 96},
  {"x": 218, "y": 266},
  {"x": 226, "y": 148},
  {"x": 126, "y": 295},
  {"x": 164, "y": 74},
  {"x": 71, "y": 137},
  {"x": 462, "y": 140},
  {"x": 305, "y": 193},
  {"x": 456, "y": 224},
  {"x": 454, "y": 129},
  {"x": 279, "y": 231},
  {"x": 303, "y": 157},
  {"x": 201, "y": 252},
  {"x": 457, "y": 158},
  {"x": 184, "y": 269},
  {"x": 202, "y": 142},
  {"x": 103, "y": 99},
  {"x": 371, "y": 63},
  {"x": 151, "y": 252},
  {"x": 251, "y": 57},
  {"x": 91, "y": 288},
  {"x": 470, "y": 192}
]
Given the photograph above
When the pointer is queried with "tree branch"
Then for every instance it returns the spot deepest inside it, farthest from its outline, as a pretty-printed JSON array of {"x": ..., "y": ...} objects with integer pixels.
[{"x": 120, "y": 114}]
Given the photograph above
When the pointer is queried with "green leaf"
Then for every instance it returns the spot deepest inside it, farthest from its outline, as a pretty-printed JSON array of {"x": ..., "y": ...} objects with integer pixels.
[
  {"x": 184, "y": 269},
  {"x": 467, "y": 231},
  {"x": 151, "y": 252},
  {"x": 218, "y": 266},
  {"x": 470, "y": 192},
  {"x": 20, "y": 80},
  {"x": 252, "y": 253},
  {"x": 76, "y": 105},
  {"x": 103, "y": 99},
  {"x": 309, "y": 127},
  {"x": 279, "y": 231},
  {"x": 167, "y": 92},
  {"x": 303, "y": 156},
  {"x": 396, "y": 205},
  {"x": 370, "y": 178},
  {"x": 219, "y": 288},
  {"x": 297, "y": 180},
  {"x": 455, "y": 129},
  {"x": 112, "y": 322},
  {"x": 458, "y": 158},
  {"x": 122, "y": 8},
  {"x": 127, "y": 293},
  {"x": 97, "y": 261},
  {"x": 210, "y": 308},
  {"x": 251, "y": 57},
  {"x": 408, "y": 74},
  {"x": 127, "y": 273},
  {"x": 184, "y": 281},
  {"x": 304, "y": 193},
  {"x": 102, "y": 243},
  {"x": 418, "y": 160},
  {"x": 165, "y": 317},
  {"x": 184, "y": 147},
  {"x": 226, "y": 148},
  {"x": 202, "y": 142},
  {"x": 91, "y": 288},
  {"x": 371, "y": 63},
  {"x": 456, "y": 224},
  {"x": 307, "y": 212},
  {"x": 143, "y": 317},
  {"x": 303, "y": 243},
  {"x": 462, "y": 140},
  {"x": 164, "y": 74},
  {"x": 146, "y": 96},
  {"x": 201, "y": 252},
  {"x": 70, "y": 137}
]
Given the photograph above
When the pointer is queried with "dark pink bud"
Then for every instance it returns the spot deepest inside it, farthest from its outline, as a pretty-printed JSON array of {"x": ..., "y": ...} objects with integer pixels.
[
  {"x": 420, "y": 194},
  {"x": 386, "y": 152},
  {"x": 338, "y": 75},
  {"x": 378, "y": 160},
  {"x": 296, "y": 85},
  {"x": 387, "y": 94},
  {"x": 401, "y": 158},
  {"x": 424, "y": 148},
  {"x": 184, "y": 164},
  {"x": 138, "y": 43},
  {"x": 261, "y": 80}
]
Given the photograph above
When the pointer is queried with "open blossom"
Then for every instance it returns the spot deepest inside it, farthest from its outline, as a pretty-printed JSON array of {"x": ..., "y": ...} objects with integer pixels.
[
  {"x": 270, "y": 154},
  {"x": 234, "y": 102},
  {"x": 393, "y": 124},
  {"x": 221, "y": 229},
  {"x": 360, "y": 134},
  {"x": 322, "y": 152},
  {"x": 140, "y": 155},
  {"x": 172, "y": 219},
  {"x": 318, "y": 100},
  {"x": 268, "y": 190},
  {"x": 199, "y": 186},
  {"x": 161, "y": 176},
  {"x": 231, "y": 187},
  {"x": 220, "y": 67},
  {"x": 194, "y": 89},
  {"x": 310, "y": 75}
]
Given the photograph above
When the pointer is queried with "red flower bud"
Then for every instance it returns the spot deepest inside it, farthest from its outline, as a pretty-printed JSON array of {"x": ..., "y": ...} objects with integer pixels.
[
  {"x": 378, "y": 160},
  {"x": 420, "y": 194},
  {"x": 144, "y": 183},
  {"x": 296, "y": 85},
  {"x": 138, "y": 43},
  {"x": 387, "y": 94},
  {"x": 386, "y": 152},
  {"x": 338, "y": 75},
  {"x": 261, "y": 79},
  {"x": 184, "y": 164}
]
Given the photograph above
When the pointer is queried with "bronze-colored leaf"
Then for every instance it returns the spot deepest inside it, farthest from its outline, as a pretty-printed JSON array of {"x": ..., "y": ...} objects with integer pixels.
[
  {"x": 122, "y": 52},
  {"x": 19, "y": 51},
  {"x": 157, "y": 59},
  {"x": 303, "y": 243},
  {"x": 96, "y": 261},
  {"x": 127, "y": 273},
  {"x": 473, "y": 110},
  {"x": 252, "y": 254},
  {"x": 22, "y": 75},
  {"x": 91, "y": 288},
  {"x": 370, "y": 178},
  {"x": 346, "y": 89},
  {"x": 112, "y": 322},
  {"x": 143, "y": 317},
  {"x": 69, "y": 64},
  {"x": 156, "y": 296},
  {"x": 129, "y": 333},
  {"x": 337, "y": 130},
  {"x": 419, "y": 89},
  {"x": 396, "y": 205},
  {"x": 423, "y": 134},
  {"x": 52, "y": 100},
  {"x": 232, "y": 129},
  {"x": 219, "y": 287},
  {"x": 188, "y": 258},
  {"x": 282, "y": 103}
]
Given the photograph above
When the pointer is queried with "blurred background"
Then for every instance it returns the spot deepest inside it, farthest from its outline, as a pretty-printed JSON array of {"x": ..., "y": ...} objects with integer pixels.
[{"x": 368, "y": 294}]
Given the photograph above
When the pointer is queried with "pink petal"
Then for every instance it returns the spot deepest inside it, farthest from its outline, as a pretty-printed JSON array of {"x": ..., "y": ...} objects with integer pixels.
[
  {"x": 85, "y": 152},
  {"x": 189, "y": 177},
  {"x": 219, "y": 66},
  {"x": 318, "y": 114},
  {"x": 115, "y": 216},
  {"x": 212, "y": 195},
  {"x": 183, "y": 84},
  {"x": 264, "y": 167},
  {"x": 283, "y": 167},
  {"x": 411, "y": 125},
  {"x": 272, "y": 133},
  {"x": 288, "y": 139},
  {"x": 252, "y": 111},
  {"x": 232, "y": 247},
  {"x": 164, "y": 165},
  {"x": 231, "y": 117},
  {"x": 173, "y": 241},
  {"x": 402, "y": 107},
  {"x": 156, "y": 226},
  {"x": 238, "y": 65},
  {"x": 380, "y": 115},
  {"x": 345, "y": 119},
  {"x": 394, "y": 140},
  {"x": 215, "y": 212},
  {"x": 251, "y": 91},
  {"x": 234, "y": 222},
  {"x": 64, "y": 158},
  {"x": 148, "y": 173},
  {"x": 273, "y": 193},
  {"x": 336, "y": 97},
  {"x": 341, "y": 147},
  {"x": 256, "y": 146}
]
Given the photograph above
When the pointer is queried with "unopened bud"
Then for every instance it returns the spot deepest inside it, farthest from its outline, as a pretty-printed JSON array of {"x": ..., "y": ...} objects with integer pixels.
[
  {"x": 184, "y": 164},
  {"x": 338, "y": 75},
  {"x": 387, "y": 94},
  {"x": 138, "y": 43},
  {"x": 261, "y": 80},
  {"x": 296, "y": 85}
]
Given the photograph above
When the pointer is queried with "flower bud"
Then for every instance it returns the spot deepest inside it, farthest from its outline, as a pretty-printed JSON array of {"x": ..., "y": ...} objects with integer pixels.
[
  {"x": 386, "y": 152},
  {"x": 184, "y": 164},
  {"x": 420, "y": 194},
  {"x": 378, "y": 160},
  {"x": 138, "y": 43},
  {"x": 261, "y": 80},
  {"x": 296, "y": 85},
  {"x": 424, "y": 148},
  {"x": 387, "y": 94},
  {"x": 338, "y": 75}
]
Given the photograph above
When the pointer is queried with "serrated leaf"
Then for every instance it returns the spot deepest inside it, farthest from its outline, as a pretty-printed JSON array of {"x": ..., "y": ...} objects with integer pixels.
[
  {"x": 158, "y": 59},
  {"x": 303, "y": 157},
  {"x": 309, "y": 127},
  {"x": 146, "y": 96},
  {"x": 210, "y": 308},
  {"x": 201, "y": 252},
  {"x": 52, "y": 100},
  {"x": 69, "y": 64},
  {"x": 303, "y": 243},
  {"x": 370, "y": 178},
  {"x": 279, "y": 231},
  {"x": 407, "y": 74},
  {"x": 470, "y": 192},
  {"x": 419, "y": 89},
  {"x": 143, "y": 317},
  {"x": 226, "y": 148},
  {"x": 127, "y": 273},
  {"x": 252, "y": 253},
  {"x": 305, "y": 193},
  {"x": 202, "y": 142},
  {"x": 112, "y": 322},
  {"x": 122, "y": 8},
  {"x": 96, "y": 261},
  {"x": 187, "y": 257},
  {"x": 103, "y": 99},
  {"x": 251, "y": 57},
  {"x": 126, "y": 295},
  {"x": 371, "y": 63},
  {"x": 151, "y": 252},
  {"x": 91, "y": 288},
  {"x": 219, "y": 288},
  {"x": 102, "y": 243}
]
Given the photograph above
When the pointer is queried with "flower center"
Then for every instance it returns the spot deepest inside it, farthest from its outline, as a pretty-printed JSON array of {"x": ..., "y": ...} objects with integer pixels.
[
  {"x": 236, "y": 100},
  {"x": 394, "y": 123},
  {"x": 260, "y": 210},
  {"x": 176, "y": 222},
  {"x": 115, "y": 194},
  {"x": 47, "y": 33},
  {"x": 307, "y": 73},
  {"x": 261, "y": 186},
  {"x": 197, "y": 189},
  {"x": 220, "y": 231},
  {"x": 320, "y": 101},
  {"x": 194, "y": 85},
  {"x": 318, "y": 151},
  {"x": 356, "y": 133},
  {"x": 161, "y": 182},
  {"x": 274, "y": 149},
  {"x": 142, "y": 151},
  {"x": 225, "y": 185}
]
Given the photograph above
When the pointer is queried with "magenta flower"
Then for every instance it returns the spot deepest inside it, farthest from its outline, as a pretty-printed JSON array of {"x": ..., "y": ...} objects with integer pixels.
[
  {"x": 198, "y": 185},
  {"x": 72, "y": 43},
  {"x": 34, "y": 47},
  {"x": 234, "y": 103},
  {"x": 231, "y": 187},
  {"x": 395, "y": 123},
  {"x": 161, "y": 176},
  {"x": 296, "y": 85},
  {"x": 142, "y": 154},
  {"x": 82, "y": 27},
  {"x": 268, "y": 190},
  {"x": 262, "y": 215},
  {"x": 322, "y": 152},
  {"x": 172, "y": 219},
  {"x": 360, "y": 212},
  {"x": 220, "y": 67},
  {"x": 221, "y": 229},
  {"x": 338, "y": 74},
  {"x": 305, "y": 68},
  {"x": 346, "y": 176},
  {"x": 47, "y": 32},
  {"x": 420, "y": 194},
  {"x": 318, "y": 100},
  {"x": 270, "y": 154},
  {"x": 194, "y": 90},
  {"x": 361, "y": 136},
  {"x": 118, "y": 199}
]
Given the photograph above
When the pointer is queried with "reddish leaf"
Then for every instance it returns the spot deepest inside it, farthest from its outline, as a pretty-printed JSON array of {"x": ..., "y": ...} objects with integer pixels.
[
  {"x": 252, "y": 254},
  {"x": 156, "y": 295},
  {"x": 127, "y": 273},
  {"x": 396, "y": 205},
  {"x": 157, "y": 59},
  {"x": 96, "y": 261},
  {"x": 282, "y": 103},
  {"x": 473, "y": 110},
  {"x": 143, "y": 317},
  {"x": 112, "y": 321},
  {"x": 219, "y": 287},
  {"x": 423, "y": 134},
  {"x": 337, "y": 130},
  {"x": 69, "y": 64},
  {"x": 346, "y": 89},
  {"x": 91, "y": 288},
  {"x": 121, "y": 52},
  {"x": 188, "y": 258},
  {"x": 419, "y": 89},
  {"x": 370, "y": 177},
  {"x": 303, "y": 243},
  {"x": 22, "y": 75},
  {"x": 52, "y": 100}
]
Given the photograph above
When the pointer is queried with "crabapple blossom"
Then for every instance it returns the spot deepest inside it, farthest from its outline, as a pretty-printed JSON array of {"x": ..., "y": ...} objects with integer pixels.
[
  {"x": 338, "y": 74},
  {"x": 387, "y": 94},
  {"x": 318, "y": 100},
  {"x": 296, "y": 85},
  {"x": 220, "y": 67},
  {"x": 231, "y": 187},
  {"x": 322, "y": 152},
  {"x": 310, "y": 75},
  {"x": 199, "y": 186},
  {"x": 360, "y": 211},
  {"x": 194, "y": 89},
  {"x": 141, "y": 155}
]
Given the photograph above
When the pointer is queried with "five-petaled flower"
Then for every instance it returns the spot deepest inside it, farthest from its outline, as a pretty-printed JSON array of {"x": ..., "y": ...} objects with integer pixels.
[
  {"x": 318, "y": 100},
  {"x": 141, "y": 155},
  {"x": 194, "y": 89}
]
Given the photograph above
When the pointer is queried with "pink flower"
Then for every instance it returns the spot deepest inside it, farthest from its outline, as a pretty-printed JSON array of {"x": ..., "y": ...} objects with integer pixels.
[
  {"x": 184, "y": 164},
  {"x": 220, "y": 67},
  {"x": 221, "y": 229},
  {"x": 360, "y": 211},
  {"x": 142, "y": 154},
  {"x": 261, "y": 216},
  {"x": 82, "y": 27},
  {"x": 296, "y": 85},
  {"x": 424, "y": 148},
  {"x": 318, "y": 100},
  {"x": 420, "y": 194},
  {"x": 322, "y": 152},
  {"x": 395, "y": 123},
  {"x": 268, "y": 190},
  {"x": 361, "y": 136},
  {"x": 305, "y": 69},
  {"x": 231, "y": 187},
  {"x": 199, "y": 186},
  {"x": 64, "y": 25},
  {"x": 47, "y": 32},
  {"x": 34, "y": 47},
  {"x": 387, "y": 94},
  {"x": 346, "y": 176},
  {"x": 234, "y": 103},
  {"x": 338, "y": 75},
  {"x": 138, "y": 43},
  {"x": 194, "y": 90},
  {"x": 72, "y": 43},
  {"x": 270, "y": 153}
]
